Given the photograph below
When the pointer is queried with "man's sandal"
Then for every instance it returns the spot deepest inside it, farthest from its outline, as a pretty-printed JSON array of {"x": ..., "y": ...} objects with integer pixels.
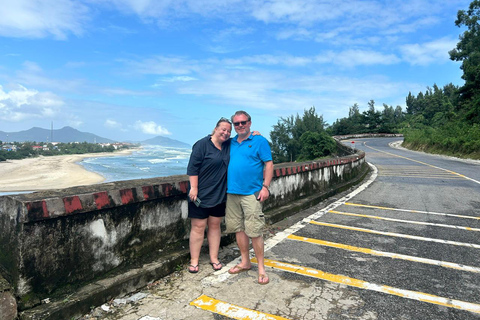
[
  {"x": 263, "y": 279},
  {"x": 192, "y": 268},
  {"x": 216, "y": 266},
  {"x": 237, "y": 269}
]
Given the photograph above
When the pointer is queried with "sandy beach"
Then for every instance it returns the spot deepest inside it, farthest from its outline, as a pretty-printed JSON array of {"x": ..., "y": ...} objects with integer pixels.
[{"x": 56, "y": 172}]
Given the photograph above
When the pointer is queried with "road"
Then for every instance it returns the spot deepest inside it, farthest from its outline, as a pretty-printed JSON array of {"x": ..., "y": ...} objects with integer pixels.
[{"x": 404, "y": 245}]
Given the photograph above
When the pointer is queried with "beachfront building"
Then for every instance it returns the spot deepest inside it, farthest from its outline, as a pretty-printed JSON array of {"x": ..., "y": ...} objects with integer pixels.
[{"x": 9, "y": 147}]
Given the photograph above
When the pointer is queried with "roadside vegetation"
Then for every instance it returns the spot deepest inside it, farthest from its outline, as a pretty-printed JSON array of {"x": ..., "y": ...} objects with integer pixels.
[
  {"x": 448, "y": 121},
  {"x": 303, "y": 138}
]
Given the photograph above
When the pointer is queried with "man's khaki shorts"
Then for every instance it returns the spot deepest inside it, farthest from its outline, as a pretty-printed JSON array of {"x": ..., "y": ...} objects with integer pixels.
[{"x": 244, "y": 213}]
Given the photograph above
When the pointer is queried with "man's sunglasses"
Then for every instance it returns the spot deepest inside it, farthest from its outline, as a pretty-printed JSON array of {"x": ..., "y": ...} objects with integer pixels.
[{"x": 236, "y": 124}]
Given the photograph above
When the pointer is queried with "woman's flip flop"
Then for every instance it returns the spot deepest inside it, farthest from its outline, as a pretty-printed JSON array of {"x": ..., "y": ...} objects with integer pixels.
[
  {"x": 192, "y": 268},
  {"x": 216, "y": 266}
]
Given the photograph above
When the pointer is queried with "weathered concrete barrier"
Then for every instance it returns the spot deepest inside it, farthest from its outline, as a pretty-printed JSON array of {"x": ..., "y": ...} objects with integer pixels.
[
  {"x": 54, "y": 242},
  {"x": 8, "y": 303}
]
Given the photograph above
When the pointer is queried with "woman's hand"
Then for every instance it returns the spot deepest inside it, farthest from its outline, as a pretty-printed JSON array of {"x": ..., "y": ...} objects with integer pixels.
[
  {"x": 256, "y": 133},
  {"x": 193, "y": 193}
]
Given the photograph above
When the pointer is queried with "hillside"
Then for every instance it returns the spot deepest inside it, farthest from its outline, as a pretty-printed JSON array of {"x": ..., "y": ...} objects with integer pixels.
[
  {"x": 166, "y": 142},
  {"x": 66, "y": 134}
]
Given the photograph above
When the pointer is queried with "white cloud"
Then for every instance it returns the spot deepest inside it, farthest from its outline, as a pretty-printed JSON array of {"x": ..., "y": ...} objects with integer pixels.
[
  {"x": 151, "y": 127},
  {"x": 163, "y": 10},
  {"x": 347, "y": 58},
  {"x": 21, "y": 103},
  {"x": 109, "y": 123},
  {"x": 351, "y": 58},
  {"x": 429, "y": 52},
  {"x": 177, "y": 79},
  {"x": 42, "y": 18},
  {"x": 162, "y": 65},
  {"x": 33, "y": 75},
  {"x": 300, "y": 11}
]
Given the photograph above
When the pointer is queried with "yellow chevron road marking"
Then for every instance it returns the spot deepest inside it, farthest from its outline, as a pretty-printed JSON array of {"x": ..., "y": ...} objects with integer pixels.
[
  {"x": 342, "y": 246},
  {"x": 399, "y": 235},
  {"x": 230, "y": 310},
  {"x": 404, "y": 221},
  {"x": 381, "y": 174},
  {"x": 414, "y": 295},
  {"x": 424, "y": 163},
  {"x": 412, "y": 211}
]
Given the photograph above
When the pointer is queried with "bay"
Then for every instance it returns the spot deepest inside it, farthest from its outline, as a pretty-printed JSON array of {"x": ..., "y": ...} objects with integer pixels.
[{"x": 149, "y": 162}]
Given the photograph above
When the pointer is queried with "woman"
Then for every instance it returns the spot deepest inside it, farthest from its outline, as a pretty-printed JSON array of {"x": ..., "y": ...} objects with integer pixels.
[{"x": 207, "y": 171}]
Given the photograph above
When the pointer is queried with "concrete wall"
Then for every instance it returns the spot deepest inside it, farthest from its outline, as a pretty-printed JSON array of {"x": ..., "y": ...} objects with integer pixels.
[{"x": 54, "y": 241}]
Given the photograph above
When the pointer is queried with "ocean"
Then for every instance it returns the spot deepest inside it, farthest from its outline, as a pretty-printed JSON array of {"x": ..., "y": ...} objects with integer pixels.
[{"x": 149, "y": 162}]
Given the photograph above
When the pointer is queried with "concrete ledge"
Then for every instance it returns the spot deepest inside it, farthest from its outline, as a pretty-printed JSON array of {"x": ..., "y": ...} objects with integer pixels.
[
  {"x": 278, "y": 214},
  {"x": 8, "y": 304}
]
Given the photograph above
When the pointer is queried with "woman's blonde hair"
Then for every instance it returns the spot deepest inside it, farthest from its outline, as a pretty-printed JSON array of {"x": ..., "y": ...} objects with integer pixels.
[{"x": 222, "y": 119}]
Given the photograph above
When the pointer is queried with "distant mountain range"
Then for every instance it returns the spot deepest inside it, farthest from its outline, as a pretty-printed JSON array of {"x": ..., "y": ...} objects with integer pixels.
[
  {"x": 166, "y": 142},
  {"x": 69, "y": 134}
]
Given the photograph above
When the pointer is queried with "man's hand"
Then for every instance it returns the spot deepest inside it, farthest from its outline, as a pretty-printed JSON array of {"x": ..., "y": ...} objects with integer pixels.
[{"x": 263, "y": 195}]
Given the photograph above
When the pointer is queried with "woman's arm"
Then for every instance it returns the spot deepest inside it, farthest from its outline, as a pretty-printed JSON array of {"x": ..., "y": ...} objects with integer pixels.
[{"x": 193, "y": 187}]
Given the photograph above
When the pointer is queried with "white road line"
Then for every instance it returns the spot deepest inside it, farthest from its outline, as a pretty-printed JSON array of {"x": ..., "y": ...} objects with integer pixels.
[
  {"x": 398, "y": 235},
  {"x": 412, "y": 211},
  {"x": 392, "y": 255},
  {"x": 426, "y": 164},
  {"x": 404, "y": 221}
]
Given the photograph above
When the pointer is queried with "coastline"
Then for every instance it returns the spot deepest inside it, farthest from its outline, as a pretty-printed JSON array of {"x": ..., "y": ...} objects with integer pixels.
[{"x": 55, "y": 172}]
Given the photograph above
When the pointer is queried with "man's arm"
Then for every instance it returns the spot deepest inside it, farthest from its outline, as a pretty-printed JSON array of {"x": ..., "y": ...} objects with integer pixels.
[{"x": 267, "y": 179}]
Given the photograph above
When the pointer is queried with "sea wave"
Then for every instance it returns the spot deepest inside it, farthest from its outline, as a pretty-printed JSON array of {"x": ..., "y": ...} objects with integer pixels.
[
  {"x": 158, "y": 160},
  {"x": 148, "y": 162}
]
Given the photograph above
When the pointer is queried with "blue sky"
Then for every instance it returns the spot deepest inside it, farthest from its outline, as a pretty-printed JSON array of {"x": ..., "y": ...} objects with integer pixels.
[{"x": 135, "y": 69}]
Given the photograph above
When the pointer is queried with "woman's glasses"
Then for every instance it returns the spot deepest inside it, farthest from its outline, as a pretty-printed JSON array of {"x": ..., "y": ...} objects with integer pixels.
[{"x": 222, "y": 119}]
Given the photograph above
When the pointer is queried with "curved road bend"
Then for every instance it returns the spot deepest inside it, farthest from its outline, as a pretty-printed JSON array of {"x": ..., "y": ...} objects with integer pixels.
[{"x": 405, "y": 245}]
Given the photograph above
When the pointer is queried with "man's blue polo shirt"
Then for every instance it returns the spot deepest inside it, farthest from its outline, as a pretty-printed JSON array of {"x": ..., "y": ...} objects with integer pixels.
[{"x": 245, "y": 170}]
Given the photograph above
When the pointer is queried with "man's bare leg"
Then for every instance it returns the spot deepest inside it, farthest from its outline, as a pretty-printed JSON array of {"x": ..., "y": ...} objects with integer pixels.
[
  {"x": 258, "y": 247},
  {"x": 243, "y": 244}
]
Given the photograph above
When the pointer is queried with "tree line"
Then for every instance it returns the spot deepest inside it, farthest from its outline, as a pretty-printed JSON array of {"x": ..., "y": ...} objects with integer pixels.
[
  {"x": 448, "y": 120},
  {"x": 27, "y": 150}
]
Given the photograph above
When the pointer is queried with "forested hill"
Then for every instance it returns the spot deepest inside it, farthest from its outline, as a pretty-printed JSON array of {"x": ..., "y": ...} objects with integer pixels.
[
  {"x": 65, "y": 135},
  {"x": 166, "y": 142}
]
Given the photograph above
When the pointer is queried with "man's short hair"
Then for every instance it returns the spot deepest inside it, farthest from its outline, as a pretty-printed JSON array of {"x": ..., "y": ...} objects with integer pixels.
[{"x": 240, "y": 112}]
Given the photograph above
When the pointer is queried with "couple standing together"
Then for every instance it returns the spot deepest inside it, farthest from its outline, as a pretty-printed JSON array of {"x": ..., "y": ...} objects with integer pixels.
[{"x": 246, "y": 161}]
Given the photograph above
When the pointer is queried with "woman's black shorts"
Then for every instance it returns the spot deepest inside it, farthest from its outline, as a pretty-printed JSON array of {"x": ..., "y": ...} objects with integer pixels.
[{"x": 204, "y": 213}]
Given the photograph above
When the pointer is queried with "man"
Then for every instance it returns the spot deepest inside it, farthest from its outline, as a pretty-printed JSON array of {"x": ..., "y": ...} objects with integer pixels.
[{"x": 250, "y": 172}]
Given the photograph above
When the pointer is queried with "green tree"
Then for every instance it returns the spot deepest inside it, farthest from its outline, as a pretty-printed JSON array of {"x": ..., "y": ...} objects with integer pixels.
[
  {"x": 286, "y": 134},
  {"x": 316, "y": 145},
  {"x": 468, "y": 52}
]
